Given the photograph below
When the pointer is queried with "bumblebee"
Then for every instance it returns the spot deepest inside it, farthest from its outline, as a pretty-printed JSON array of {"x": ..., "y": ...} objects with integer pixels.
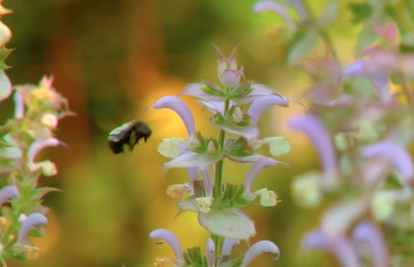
[{"x": 128, "y": 134}]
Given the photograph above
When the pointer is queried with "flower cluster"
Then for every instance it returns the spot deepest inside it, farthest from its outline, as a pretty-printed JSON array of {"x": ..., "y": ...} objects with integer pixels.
[
  {"x": 38, "y": 109},
  {"x": 217, "y": 203},
  {"x": 361, "y": 131}
]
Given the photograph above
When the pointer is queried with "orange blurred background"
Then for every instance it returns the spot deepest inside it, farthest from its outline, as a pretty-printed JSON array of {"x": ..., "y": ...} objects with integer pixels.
[{"x": 114, "y": 58}]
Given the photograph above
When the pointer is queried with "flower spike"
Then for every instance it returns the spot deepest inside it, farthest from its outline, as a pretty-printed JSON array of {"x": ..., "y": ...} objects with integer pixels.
[
  {"x": 259, "y": 248},
  {"x": 177, "y": 105}
]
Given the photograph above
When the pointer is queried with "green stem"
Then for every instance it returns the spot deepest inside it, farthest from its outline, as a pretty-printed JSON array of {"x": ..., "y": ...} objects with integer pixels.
[
  {"x": 322, "y": 32},
  {"x": 219, "y": 165},
  {"x": 218, "y": 180}
]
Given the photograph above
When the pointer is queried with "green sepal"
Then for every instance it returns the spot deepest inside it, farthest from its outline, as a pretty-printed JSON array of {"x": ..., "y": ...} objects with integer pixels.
[
  {"x": 246, "y": 121},
  {"x": 203, "y": 144},
  {"x": 239, "y": 148},
  {"x": 211, "y": 89},
  {"x": 4, "y": 53},
  {"x": 37, "y": 231},
  {"x": 233, "y": 197},
  {"x": 242, "y": 91},
  {"x": 9, "y": 214},
  {"x": 234, "y": 263},
  {"x": 194, "y": 258}
]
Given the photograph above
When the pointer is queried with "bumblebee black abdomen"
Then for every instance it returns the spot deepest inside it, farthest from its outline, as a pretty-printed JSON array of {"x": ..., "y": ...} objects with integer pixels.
[{"x": 128, "y": 134}]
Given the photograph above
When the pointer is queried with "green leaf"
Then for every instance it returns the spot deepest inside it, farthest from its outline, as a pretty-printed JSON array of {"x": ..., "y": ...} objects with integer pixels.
[
  {"x": 303, "y": 43},
  {"x": 4, "y": 53},
  {"x": 360, "y": 11},
  {"x": 365, "y": 38},
  {"x": 193, "y": 257}
]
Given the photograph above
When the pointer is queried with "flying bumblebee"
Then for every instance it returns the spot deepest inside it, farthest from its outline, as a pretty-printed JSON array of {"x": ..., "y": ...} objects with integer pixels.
[{"x": 128, "y": 134}]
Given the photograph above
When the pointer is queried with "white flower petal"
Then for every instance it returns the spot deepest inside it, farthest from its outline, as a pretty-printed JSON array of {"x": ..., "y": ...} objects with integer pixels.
[
  {"x": 171, "y": 239},
  {"x": 262, "y": 103},
  {"x": 259, "y": 248}
]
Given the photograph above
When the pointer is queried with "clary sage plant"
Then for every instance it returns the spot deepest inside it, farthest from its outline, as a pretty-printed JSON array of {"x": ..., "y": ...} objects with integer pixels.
[
  {"x": 38, "y": 108},
  {"x": 218, "y": 203}
]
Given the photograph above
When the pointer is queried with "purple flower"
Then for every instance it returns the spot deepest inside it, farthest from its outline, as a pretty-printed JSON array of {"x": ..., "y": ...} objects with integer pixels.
[
  {"x": 172, "y": 240},
  {"x": 275, "y": 7},
  {"x": 210, "y": 255},
  {"x": 367, "y": 232},
  {"x": 259, "y": 248},
  {"x": 177, "y": 105},
  {"x": 341, "y": 247},
  {"x": 31, "y": 221},
  {"x": 391, "y": 153},
  {"x": 262, "y": 103},
  {"x": 228, "y": 244},
  {"x": 20, "y": 108},
  {"x": 319, "y": 136},
  {"x": 7, "y": 193}
]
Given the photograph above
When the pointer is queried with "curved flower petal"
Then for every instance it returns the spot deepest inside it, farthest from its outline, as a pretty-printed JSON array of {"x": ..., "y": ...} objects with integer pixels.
[
  {"x": 369, "y": 233},
  {"x": 337, "y": 219},
  {"x": 31, "y": 221},
  {"x": 275, "y": 7},
  {"x": 340, "y": 247},
  {"x": 228, "y": 244},
  {"x": 259, "y": 248},
  {"x": 192, "y": 159},
  {"x": 262, "y": 103},
  {"x": 319, "y": 136},
  {"x": 382, "y": 86},
  {"x": 254, "y": 171},
  {"x": 177, "y": 105},
  {"x": 19, "y": 110},
  {"x": 7, "y": 193},
  {"x": 196, "y": 90},
  {"x": 228, "y": 223},
  {"x": 171, "y": 239},
  {"x": 210, "y": 253},
  {"x": 38, "y": 145},
  {"x": 392, "y": 153}
]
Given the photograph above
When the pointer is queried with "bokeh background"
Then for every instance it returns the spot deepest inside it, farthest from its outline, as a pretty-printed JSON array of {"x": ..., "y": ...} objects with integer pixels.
[{"x": 112, "y": 59}]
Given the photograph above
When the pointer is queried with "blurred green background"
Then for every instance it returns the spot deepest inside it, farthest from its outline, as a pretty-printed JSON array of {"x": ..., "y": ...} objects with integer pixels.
[{"x": 114, "y": 58}]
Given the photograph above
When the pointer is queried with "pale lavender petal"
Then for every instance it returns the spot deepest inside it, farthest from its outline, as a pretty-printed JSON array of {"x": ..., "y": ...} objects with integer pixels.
[
  {"x": 38, "y": 145},
  {"x": 354, "y": 69},
  {"x": 226, "y": 63},
  {"x": 20, "y": 108},
  {"x": 382, "y": 86},
  {"x": 264, "y": 102},
  {"x": 214, "y": 107},
  {"x": 319, "y": 136},
  {"x": 210, "y": 255},
  {"x": 340, "y": 247},
  {"x": 7, "y": 193},
  {"x": 300, "y": 9},
  {"x": 167, "y": 236},
  {"x": 193, "y": 160},
  {"x": 31, "y": 221},
  {"x": 369, "y": 233},
  {"x": 208, "y": 185},
  {"x": 275, "y": 7},
  {"x": 254, "y": 171},
  {"x": 177, "y": 105},
  {"x": 228, "y": 245},
  {"x": 259, "y": 248},
  {"x": 231, "y": 78},
  {"x": 392, "y": 153},
  {"x": 196, "y": 90}
]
